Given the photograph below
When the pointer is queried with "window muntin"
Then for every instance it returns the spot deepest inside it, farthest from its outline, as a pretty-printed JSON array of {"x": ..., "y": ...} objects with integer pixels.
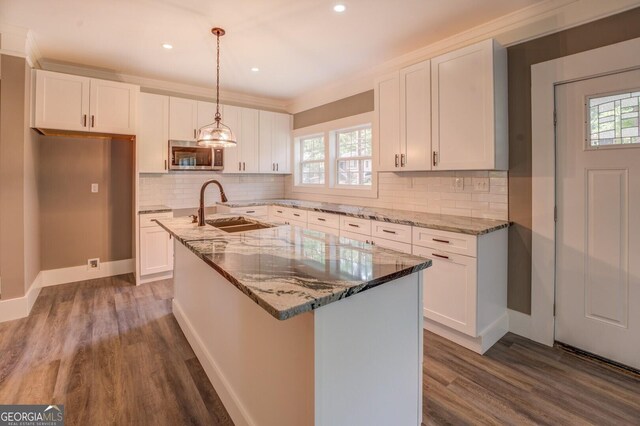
[
  {"x": 614, "y": 120},
  {"x": 312, "y": 156},
  {"x": 353, "y": 156}
]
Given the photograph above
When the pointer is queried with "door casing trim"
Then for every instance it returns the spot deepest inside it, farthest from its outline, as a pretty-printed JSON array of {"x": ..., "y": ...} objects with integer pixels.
[{"x": 540, "y": 325}]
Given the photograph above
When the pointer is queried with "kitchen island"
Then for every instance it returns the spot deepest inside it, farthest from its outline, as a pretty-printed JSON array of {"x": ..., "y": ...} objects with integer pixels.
[{"x": 300, "y": 327}]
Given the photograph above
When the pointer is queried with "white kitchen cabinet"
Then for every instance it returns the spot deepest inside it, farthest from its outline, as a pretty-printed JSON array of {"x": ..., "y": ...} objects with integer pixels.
[
  {"x": 450, "y": 289},
  {"x": 415, "y": 117},
  {"x": 156, "y": 247},
  {"x": 469, "y": 108},
  {"x": 327, "y": 220},
  {"x": 183, "y": 119},
  {"x": 153, "y": 133},
  {"x": 113, "y": 107},
  {"x": 387, "y": 122},
  {"x": 391, "y": 244},
  {"x": 69, "y": 102},
  {"x": 403, "y": 119},
  {"x": 245, "y": 156},
  {"x": 363, "y": 238},
  {"x": 250, "y": 123},
  {"x": 62, "y": 101},
  {"x": 275, "y": 142},
  {"x": 465, "y": 289}
]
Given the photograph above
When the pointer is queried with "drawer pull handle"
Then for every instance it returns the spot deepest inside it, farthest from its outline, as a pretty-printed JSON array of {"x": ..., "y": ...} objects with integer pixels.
[
  {"x": 321, "y": 219},
  {"x": 389, "y": 232},
  {"x": 354, "y": 225},
  {"x": 440, "y": 256},
  {"x": 441, "y": 241},
  {"x": 250, "y": 211},
  {"x": 279, "y": 211}
]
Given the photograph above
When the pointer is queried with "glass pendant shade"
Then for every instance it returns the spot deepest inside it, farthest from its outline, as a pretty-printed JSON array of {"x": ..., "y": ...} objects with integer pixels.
[{"x": 216, "y": 135}]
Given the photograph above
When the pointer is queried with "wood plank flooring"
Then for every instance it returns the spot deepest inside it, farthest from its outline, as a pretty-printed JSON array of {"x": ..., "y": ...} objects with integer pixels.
[{"x": 114, "y": 354}]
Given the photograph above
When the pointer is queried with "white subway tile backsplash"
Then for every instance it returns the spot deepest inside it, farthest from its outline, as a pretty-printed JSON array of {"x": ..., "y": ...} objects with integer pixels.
[
  {"x": 432, "y": 192},
  {"x": 182, "y": 190}
]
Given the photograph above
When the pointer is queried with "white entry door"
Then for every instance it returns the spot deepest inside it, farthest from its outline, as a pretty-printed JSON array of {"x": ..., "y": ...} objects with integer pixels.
[{"x": 598, "y": 228}]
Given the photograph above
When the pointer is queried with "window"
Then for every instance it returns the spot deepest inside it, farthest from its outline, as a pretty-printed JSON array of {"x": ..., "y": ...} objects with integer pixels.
[
  {"x": 312, "y": 160},
  {"x": 613, "y": 119},
  {"x": 336, "y": 158},
  {"x": 353, "y": 156}
]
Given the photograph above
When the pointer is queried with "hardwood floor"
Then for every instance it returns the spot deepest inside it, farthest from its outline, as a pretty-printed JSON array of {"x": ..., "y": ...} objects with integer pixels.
[{"x": 114, "y": 354}]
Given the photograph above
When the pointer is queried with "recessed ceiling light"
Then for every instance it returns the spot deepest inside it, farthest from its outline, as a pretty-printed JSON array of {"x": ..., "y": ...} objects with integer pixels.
[
  {"x": 167, "y": 46},
  {"x": 255, "y": 69},
  {"x": 339, "y": 8}
]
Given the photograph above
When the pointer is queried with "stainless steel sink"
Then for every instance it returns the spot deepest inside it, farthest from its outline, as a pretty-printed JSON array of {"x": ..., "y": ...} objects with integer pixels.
[{"x": 237, "y": 224}]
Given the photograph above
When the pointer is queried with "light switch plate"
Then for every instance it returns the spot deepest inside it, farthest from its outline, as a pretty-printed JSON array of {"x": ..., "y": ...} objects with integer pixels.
[{"x": 94, "y": 188}]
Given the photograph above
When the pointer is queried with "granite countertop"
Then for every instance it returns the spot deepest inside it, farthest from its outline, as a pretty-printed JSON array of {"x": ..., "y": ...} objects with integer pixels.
[
  {"x": 159, "y": 208},
  {"x": 288, "y": 270},
  {"x": 443, "y": 222}
]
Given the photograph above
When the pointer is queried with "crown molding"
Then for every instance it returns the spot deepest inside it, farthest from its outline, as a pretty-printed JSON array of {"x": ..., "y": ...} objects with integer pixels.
[
  {"x": 535, "y": 21},
  {"x": 164, "y": 87}
]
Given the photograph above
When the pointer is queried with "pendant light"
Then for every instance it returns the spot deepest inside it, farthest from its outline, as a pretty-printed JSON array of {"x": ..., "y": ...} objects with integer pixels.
[{"x": 217, "y": 134}]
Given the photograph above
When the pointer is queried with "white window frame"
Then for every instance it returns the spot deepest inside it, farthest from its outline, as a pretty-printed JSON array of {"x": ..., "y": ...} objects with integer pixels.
[
  {"x": 330, "y": 186},
  {"x": 337, "y": 159},
  {"x": 301, "y": 162}
]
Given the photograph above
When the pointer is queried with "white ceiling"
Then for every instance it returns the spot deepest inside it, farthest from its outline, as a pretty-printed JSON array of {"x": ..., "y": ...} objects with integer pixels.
[{"x": 298, "y": 45}]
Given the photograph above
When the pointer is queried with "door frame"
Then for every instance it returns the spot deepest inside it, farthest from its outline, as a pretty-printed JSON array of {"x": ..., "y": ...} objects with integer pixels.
[{"x": 540, "y": 325}]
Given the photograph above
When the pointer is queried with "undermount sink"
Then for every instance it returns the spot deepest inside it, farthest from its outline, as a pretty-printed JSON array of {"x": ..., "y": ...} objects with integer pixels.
[{"x": 237, "y": 224}]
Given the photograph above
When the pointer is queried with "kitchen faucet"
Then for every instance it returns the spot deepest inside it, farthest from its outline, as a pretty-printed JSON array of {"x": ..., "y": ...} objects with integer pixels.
[{"x": 223, "y": 198}]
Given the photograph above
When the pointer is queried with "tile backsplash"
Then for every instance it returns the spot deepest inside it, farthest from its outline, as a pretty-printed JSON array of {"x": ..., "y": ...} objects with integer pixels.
[
  {"x": 182, "y": 189},
  {"x": 483, "y": 193}
]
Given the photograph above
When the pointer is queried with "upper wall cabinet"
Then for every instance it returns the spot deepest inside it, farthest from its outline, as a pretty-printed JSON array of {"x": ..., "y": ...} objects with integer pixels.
[
  {"x": 69, "y": 102},
  {"x": 275, "y": 142},
  {"x": 469, "y": 108},
  {"x": 183, "y": 119},
  {"x": 153, "y": 133},
  {"x": 403, "y": 119}
]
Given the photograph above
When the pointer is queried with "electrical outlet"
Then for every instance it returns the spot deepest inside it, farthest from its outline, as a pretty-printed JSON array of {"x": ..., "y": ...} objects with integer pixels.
[
  {"x": 458, "y": 184},
  {"x": 93, "y": 264},
  {"x": 481, "y": 184},
  {"x": 94, "y": 188}
]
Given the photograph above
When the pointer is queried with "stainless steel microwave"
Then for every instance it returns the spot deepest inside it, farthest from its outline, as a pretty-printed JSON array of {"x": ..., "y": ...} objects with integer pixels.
[{"x": 184, "y": 155}]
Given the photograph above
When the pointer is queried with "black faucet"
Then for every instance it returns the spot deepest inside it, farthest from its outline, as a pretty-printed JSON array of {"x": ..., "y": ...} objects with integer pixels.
[{"x": 223, "y": 198}]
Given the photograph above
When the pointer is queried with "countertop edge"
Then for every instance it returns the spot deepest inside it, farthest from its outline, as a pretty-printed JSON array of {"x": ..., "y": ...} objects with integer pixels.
[{"x": 282, "y": 315}]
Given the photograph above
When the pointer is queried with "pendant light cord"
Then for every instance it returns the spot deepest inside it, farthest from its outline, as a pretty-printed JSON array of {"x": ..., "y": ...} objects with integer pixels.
[{"x": 218, "y": 117}]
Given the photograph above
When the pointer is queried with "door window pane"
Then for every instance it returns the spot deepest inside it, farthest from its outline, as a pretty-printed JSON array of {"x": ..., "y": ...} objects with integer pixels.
[{"x": 613, "y": 119}]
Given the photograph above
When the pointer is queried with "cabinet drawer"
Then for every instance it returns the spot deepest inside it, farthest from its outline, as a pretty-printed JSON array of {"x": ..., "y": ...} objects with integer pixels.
[
  {"x": 443, "y": 240},
  {"x": 324, "y": 219},
  {"x": 277, "y": 211},
  {"x": 147, "y": 220},
  {"x": 296, "y": 223},
  {"x": 297, "y": 215},
  {"x": 393, "y": 245},
  {"x": 391, "y": 231},
  {"x": 354, "y": 224},
  {"x": 251, "y": 211}
]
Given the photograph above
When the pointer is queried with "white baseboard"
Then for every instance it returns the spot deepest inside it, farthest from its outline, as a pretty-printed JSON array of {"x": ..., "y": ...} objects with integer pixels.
[
  {"x": 20, "y": 307},
  {"x": 229, "y": 399},
  {"x": 154, "y": 277},
  {"x": 480, "y": 344},
  {"x": 81, "y": 273}
]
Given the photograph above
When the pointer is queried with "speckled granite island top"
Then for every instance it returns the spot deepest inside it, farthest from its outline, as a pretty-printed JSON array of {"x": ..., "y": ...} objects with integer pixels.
[
  {"x": 159, "y": 208},
  {"x": 289, "y": 270},
  {"x": 442, "y": 222}
]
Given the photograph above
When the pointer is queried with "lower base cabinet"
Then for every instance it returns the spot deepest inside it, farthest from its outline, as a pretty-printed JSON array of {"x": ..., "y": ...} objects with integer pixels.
[{"x": 156, "y": 248}]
